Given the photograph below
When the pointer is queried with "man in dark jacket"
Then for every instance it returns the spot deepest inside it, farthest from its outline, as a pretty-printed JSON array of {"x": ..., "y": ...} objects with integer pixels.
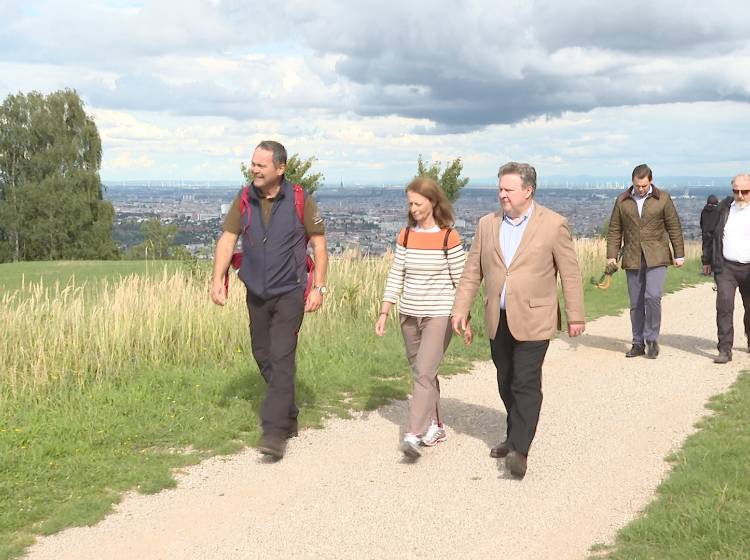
[
  {"x": 709, "y": 217},
  {"x": 274, "y": 248},
  {"x": 728, "y": 257},
  {"x": 644, "y": 222}
]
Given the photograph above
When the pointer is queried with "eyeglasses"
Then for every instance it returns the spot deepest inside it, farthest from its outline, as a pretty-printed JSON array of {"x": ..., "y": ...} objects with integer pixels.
[{"x": 743, "y": 192}]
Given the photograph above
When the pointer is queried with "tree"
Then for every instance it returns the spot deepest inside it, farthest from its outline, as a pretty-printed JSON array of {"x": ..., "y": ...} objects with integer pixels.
[
  {"x": 450, "y": 180},
  {"x": 296, "y": 172},
  {"x": 158, "y": 242},
  {"x": 603, "y": 230},
  {"x": 51, "y": 200}
]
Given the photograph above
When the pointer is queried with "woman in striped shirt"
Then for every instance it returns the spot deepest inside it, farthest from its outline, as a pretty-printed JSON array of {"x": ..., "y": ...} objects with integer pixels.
[{"x": 426, "y": 269}]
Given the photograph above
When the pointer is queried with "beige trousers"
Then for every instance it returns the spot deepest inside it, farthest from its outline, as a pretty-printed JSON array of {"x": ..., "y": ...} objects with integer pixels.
[{"x": 426, "y": 340}]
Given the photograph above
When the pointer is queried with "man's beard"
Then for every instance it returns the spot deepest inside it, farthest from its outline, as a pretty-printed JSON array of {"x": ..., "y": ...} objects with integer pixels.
[{"x": 742, "y": 203}]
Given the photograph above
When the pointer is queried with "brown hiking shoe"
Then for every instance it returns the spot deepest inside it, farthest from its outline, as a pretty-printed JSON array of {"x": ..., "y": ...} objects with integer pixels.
[
  {"x": 272, "y": 446},
  {"x": 500, "y": 451},
  {"x": 515, "y": 462},
  {"x": 723, "y": 357}
]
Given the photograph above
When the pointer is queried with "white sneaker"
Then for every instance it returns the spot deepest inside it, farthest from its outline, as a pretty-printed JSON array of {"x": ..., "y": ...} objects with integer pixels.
[
  {"x": 434, "y": 435},
  {"x": 410, "y": 446}
]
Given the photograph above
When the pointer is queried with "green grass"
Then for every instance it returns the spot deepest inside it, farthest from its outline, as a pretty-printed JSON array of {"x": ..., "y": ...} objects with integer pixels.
[
  {"x": 68, "y": 452},
  {"x": 702, "y": 511},
  {"x": 612, "y": 301},
  {"x": 12, "y": 275}
]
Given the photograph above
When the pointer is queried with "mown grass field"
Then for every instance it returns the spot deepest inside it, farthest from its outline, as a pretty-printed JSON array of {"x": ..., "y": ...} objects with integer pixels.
[{"x": 116, "y": 387}]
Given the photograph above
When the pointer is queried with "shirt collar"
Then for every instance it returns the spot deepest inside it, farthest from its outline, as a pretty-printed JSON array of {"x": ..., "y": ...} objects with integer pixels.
[
  {"x": 524, "y": 218},
  {"x": 648, "y": 193}
]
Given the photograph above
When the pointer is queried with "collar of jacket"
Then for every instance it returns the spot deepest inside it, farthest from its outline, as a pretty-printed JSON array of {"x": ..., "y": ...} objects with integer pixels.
[
  {"x": 285, "y": 189},
  {"x": 628, "y": 193}
]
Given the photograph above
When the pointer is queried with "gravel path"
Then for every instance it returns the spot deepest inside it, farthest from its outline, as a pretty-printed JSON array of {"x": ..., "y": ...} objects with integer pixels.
[{"x": 344, "y": 492}]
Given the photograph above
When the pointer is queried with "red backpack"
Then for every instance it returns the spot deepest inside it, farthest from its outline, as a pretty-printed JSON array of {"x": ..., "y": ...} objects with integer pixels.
[{"x": 299, "y": 206}]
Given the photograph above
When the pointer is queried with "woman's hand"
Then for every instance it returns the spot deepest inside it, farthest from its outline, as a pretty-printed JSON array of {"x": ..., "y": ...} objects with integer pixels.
[{"x": 380, "y": 324}]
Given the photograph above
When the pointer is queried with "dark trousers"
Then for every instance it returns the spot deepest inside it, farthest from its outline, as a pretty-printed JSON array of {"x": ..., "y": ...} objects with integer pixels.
[
  {"x": 519, "y": 380},
  {"x": 732, "y": 276},
  {"x": 274, "y": 326}
]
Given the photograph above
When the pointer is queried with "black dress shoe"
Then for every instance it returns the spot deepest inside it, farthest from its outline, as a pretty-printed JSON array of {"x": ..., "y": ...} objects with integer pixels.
[
  {"x": 515, "y": 462},
  {"x": 500, "y": 451},
  {"x": 636, "y": 350},
  {"x": 652, "y": 349}
]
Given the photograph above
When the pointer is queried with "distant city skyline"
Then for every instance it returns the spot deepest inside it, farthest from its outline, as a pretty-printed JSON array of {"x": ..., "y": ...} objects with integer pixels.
[
  {"x": 571, "y": 181},
  {"x": 186, "y": 89}
]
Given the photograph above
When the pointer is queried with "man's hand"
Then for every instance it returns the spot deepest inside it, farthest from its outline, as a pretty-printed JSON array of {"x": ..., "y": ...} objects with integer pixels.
[
  {"x": 218, "y": 293},
  {"x": 611, "y": 261},
  {"x": 468, "y": 334},
  {"x": 576, "y": 329},
  {"x": 314, "y": 300},
  {"x": 706, "y": 269},
  {"x": 679, "y": 262},
  {"x": 460, "y": 324}
]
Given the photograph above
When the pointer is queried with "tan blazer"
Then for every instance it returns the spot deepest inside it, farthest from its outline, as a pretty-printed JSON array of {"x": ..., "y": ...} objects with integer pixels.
[{"x": 531, "y": 279}]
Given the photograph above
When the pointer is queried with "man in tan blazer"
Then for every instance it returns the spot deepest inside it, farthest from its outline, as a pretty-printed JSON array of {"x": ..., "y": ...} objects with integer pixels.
[{"x": 518, "y": 252}]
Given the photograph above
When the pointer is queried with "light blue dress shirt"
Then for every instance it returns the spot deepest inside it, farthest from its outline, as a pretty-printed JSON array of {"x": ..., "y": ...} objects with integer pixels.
[{"x": 510, "y": 238}]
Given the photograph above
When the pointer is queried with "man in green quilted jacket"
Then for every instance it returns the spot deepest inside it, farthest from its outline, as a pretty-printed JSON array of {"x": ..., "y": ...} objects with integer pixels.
[{"x": 643, "y": 225}]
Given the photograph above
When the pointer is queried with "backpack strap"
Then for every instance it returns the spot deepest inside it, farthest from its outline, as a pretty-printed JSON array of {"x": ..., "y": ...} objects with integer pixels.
[
  {"x": 245, "y": 205},
  {"x": 445, "y": 252},
  {"x": 236, "y": 260},
  {"x": 299, "y": 206},
  {"x": 406, "y": 235}
]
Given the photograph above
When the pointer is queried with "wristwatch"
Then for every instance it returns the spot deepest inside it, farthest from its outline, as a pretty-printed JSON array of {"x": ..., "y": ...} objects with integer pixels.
[{"x": 322, "y": 289}]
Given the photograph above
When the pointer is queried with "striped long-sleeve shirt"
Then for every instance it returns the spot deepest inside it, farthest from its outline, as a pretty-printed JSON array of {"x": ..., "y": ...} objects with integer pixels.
[{"x": 422, "y": 276}]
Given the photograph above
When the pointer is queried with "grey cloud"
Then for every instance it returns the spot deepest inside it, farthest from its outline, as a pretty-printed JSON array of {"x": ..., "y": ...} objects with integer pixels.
[
  {"x": 462, "y": 66},
  {"x": 104, "y": 37},
  {"x": 484, "y": 62}
]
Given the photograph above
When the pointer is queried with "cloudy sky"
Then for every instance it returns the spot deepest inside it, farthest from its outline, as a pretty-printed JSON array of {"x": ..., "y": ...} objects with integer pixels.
[{"x": 183, "y": 89}]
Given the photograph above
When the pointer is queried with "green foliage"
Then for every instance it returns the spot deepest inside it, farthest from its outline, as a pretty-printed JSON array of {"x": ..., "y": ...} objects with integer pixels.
[
  {"x": 297, "y": 171},
  {"x": 449, "y": 180},
  {"x": 158, "y": 242},
  {"x": 51, "y": 203},
  {"x": 603, "y": 229}
]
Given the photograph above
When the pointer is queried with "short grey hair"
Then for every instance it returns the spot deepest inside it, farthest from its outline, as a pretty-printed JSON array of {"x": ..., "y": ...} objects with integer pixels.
[
  {"x": 524, "y": 170},
  {"x": 745, "y": 176},
  {"x": 278, "y": 150}
]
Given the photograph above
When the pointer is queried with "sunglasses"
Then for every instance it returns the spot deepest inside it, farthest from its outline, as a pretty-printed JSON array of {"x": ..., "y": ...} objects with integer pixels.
[{"x": 743, "y": 192}]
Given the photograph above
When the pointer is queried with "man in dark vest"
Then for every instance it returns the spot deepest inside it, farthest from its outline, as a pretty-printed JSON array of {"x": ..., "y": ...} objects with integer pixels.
[
  {"x": 644, "y": 223},
  {"x": 274, "y": 271}
]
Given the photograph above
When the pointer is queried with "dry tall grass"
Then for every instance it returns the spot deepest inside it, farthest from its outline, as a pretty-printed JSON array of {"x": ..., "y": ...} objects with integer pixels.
[{"x": 52, "y": 333}]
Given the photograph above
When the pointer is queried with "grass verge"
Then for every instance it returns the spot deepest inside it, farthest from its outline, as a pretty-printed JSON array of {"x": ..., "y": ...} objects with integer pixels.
[{"x": 701, "y": 510}]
